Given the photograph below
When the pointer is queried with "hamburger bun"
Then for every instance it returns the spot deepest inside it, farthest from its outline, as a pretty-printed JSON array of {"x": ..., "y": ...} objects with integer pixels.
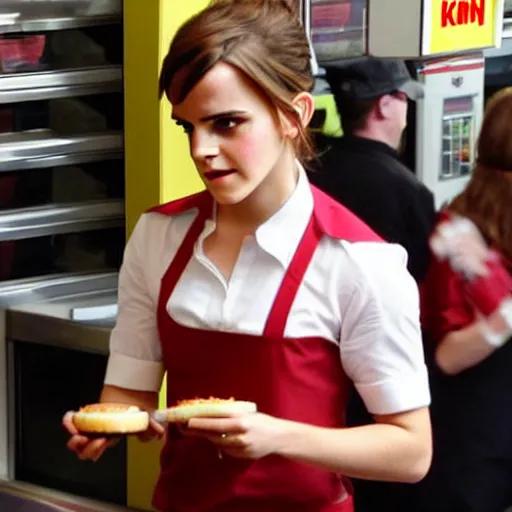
[
  {"x": 109, "y": 418},
  {"x": 185, "y": 410}
]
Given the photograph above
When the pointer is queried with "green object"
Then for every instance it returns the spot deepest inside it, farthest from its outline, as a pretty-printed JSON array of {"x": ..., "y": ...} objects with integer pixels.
[{"x": 332, "y": 125}]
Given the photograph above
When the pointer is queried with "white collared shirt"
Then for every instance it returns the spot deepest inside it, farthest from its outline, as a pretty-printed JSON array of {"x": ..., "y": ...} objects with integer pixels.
[{"x": 358, "y": 295}]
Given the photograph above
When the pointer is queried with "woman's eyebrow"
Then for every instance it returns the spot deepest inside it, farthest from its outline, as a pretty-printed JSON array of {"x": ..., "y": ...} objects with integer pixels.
[
  {"x": 213, "y": 117},
  {"x": 228, "y": 113}
]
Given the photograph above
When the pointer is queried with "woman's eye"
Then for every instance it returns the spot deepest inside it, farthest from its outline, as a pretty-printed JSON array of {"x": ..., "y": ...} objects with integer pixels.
[{"x": 227, "y": 123}]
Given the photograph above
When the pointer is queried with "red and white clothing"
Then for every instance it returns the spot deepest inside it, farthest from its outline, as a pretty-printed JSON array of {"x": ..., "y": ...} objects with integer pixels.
[
  {"x": 308, "y": 304},
  {"x": 471, "y": 411},
  {"x": 356, "y": 292}
]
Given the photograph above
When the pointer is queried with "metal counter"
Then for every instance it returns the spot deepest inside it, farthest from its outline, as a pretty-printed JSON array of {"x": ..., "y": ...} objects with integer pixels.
[
  {"x": 73, "y": 311},
  {"x": 79, "y": 323},
  {"x": 78, "y": 320}
]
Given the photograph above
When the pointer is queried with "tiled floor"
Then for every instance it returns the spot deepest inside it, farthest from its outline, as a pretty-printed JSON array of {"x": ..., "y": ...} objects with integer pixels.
[
  {"x": 11, "y": 503},
  {"x": 26, "y": 498}
]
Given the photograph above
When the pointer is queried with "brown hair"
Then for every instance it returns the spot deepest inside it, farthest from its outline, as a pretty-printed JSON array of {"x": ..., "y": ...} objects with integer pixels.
[
  {"x": 262, "y": 38},
  {"x": 486, "y": 200}
]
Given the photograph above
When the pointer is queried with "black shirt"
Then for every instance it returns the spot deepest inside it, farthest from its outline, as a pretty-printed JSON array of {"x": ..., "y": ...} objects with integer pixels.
[{"x": 368, "y": 177}]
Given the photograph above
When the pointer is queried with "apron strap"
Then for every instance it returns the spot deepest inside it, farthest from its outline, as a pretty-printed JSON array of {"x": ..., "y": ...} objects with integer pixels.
[
  {"x": 182, "y": 257},
  {"x": 278, "y": 316},
  {"x": 276, "y": 321}
]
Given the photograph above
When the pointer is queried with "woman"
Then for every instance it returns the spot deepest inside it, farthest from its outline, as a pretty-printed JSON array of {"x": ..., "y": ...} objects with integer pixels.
[
  {"x": 264, "y": 289},
  {"x": 468, "y": 316}
]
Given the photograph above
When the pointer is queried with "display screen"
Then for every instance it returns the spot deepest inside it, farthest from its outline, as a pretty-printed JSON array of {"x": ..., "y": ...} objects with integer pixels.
[{"x": 338, "y": 29}]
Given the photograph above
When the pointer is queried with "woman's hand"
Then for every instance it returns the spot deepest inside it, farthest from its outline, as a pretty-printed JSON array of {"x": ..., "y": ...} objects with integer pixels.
[
  {"x": 155, "y": 432},
  {"x": 459, "y": 241},
  {"x": 487, "y": 282},
  {"x": 92, "y": 449},
  {"x": 251, "y": 436},
  {"x": 83, "y": 446}
]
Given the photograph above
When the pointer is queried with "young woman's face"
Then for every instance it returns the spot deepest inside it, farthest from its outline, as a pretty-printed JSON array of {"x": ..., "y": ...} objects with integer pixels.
[{"x": 236, "y": 138}]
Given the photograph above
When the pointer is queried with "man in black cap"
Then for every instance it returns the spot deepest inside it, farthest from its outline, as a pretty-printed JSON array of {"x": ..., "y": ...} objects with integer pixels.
[{"x": 363, "y": 171}]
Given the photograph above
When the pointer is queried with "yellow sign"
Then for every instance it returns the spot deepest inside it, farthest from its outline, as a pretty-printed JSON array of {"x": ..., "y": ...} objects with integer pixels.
[{"x": 457, "y": 25}]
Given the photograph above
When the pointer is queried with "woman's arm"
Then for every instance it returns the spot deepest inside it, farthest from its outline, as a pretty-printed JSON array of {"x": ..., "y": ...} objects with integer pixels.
[
  {"x": 477, "y": 279},
  {"x": 398, "y": 448},
  {"x": 382, "y": 353},
  {"x": 465, "y": 348}
]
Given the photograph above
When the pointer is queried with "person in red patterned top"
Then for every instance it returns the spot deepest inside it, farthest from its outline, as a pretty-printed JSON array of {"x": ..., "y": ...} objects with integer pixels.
[{"x": 467, "y": 315}]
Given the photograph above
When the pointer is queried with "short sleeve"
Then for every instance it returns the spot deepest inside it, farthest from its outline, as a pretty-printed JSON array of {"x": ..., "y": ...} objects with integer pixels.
[
  {"x": 381, "y": 343},
  {"x": 135, "y": 360}
]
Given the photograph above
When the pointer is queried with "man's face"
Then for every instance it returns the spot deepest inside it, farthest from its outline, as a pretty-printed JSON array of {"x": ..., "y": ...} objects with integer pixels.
[{"x": 398, "y": 115}]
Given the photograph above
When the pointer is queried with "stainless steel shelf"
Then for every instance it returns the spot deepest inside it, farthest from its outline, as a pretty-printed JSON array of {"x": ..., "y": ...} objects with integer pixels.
[
  {"x": 18, "y": 87},
  {"x": 56, "y": 219},
  {"x": 38, "y": 16},
  {"x": 49, "y": 287},
  {"x": 42, "y": 148},
  {"x": 42, "y": 311},
  {"x": 22, "y": 326}
]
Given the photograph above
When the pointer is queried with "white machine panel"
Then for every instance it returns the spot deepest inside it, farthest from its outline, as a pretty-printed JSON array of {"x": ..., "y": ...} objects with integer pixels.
[{"x": 449, "y": 119}]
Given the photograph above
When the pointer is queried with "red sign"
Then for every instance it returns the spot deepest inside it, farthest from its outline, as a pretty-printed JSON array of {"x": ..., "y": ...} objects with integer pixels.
[{"x": 462, "y": 12}]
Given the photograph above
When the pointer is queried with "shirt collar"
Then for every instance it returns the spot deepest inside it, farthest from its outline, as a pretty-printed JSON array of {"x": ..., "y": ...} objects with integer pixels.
[{"x": 280, "y": 235}]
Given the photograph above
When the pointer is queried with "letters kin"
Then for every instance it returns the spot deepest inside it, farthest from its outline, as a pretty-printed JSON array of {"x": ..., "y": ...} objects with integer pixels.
[{"x": 462, "y": 12}]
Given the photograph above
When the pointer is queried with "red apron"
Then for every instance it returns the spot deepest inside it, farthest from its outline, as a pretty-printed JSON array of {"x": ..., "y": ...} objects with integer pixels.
[{"x": 299, "y": 379}]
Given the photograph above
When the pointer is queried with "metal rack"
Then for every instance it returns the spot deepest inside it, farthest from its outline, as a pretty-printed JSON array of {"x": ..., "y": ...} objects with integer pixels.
[
  {"x": 36, "y": 15},
  {"x": 60, "y": 84},
  {"x": 36, "y": 149},
  {"x": 46, "y": 141},
  {"x": 45, "y": 147}
]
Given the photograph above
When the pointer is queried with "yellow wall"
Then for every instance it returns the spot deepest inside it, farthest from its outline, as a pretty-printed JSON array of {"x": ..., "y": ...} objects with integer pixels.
[
  {"x": 158, "y": 167},
  {"x": 178, "y": 177}
]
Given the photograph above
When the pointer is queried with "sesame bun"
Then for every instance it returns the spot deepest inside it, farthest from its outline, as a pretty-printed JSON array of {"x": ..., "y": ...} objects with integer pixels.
[
  {"x": 108, "y": 418},
  {"x": 185, "y": 410}
]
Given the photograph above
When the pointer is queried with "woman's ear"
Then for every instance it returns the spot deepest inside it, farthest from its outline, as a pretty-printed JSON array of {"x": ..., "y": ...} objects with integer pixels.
[{"x": 304, "y": 106}]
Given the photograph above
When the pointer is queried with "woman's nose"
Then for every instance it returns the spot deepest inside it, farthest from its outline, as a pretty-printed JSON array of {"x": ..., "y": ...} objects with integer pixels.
[{"x": 203, "y": 145}]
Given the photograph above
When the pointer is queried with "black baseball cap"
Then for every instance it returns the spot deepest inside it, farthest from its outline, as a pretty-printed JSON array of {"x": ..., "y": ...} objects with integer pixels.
[{"x": 367, "y": 78}]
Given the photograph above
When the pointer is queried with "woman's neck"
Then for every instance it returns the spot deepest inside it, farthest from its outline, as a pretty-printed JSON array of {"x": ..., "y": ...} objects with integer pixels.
[{"x": 265, "y": 200}]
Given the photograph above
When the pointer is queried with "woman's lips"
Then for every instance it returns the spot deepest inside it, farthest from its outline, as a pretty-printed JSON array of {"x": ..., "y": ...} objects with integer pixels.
[{"x": 215, "y": 175}]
